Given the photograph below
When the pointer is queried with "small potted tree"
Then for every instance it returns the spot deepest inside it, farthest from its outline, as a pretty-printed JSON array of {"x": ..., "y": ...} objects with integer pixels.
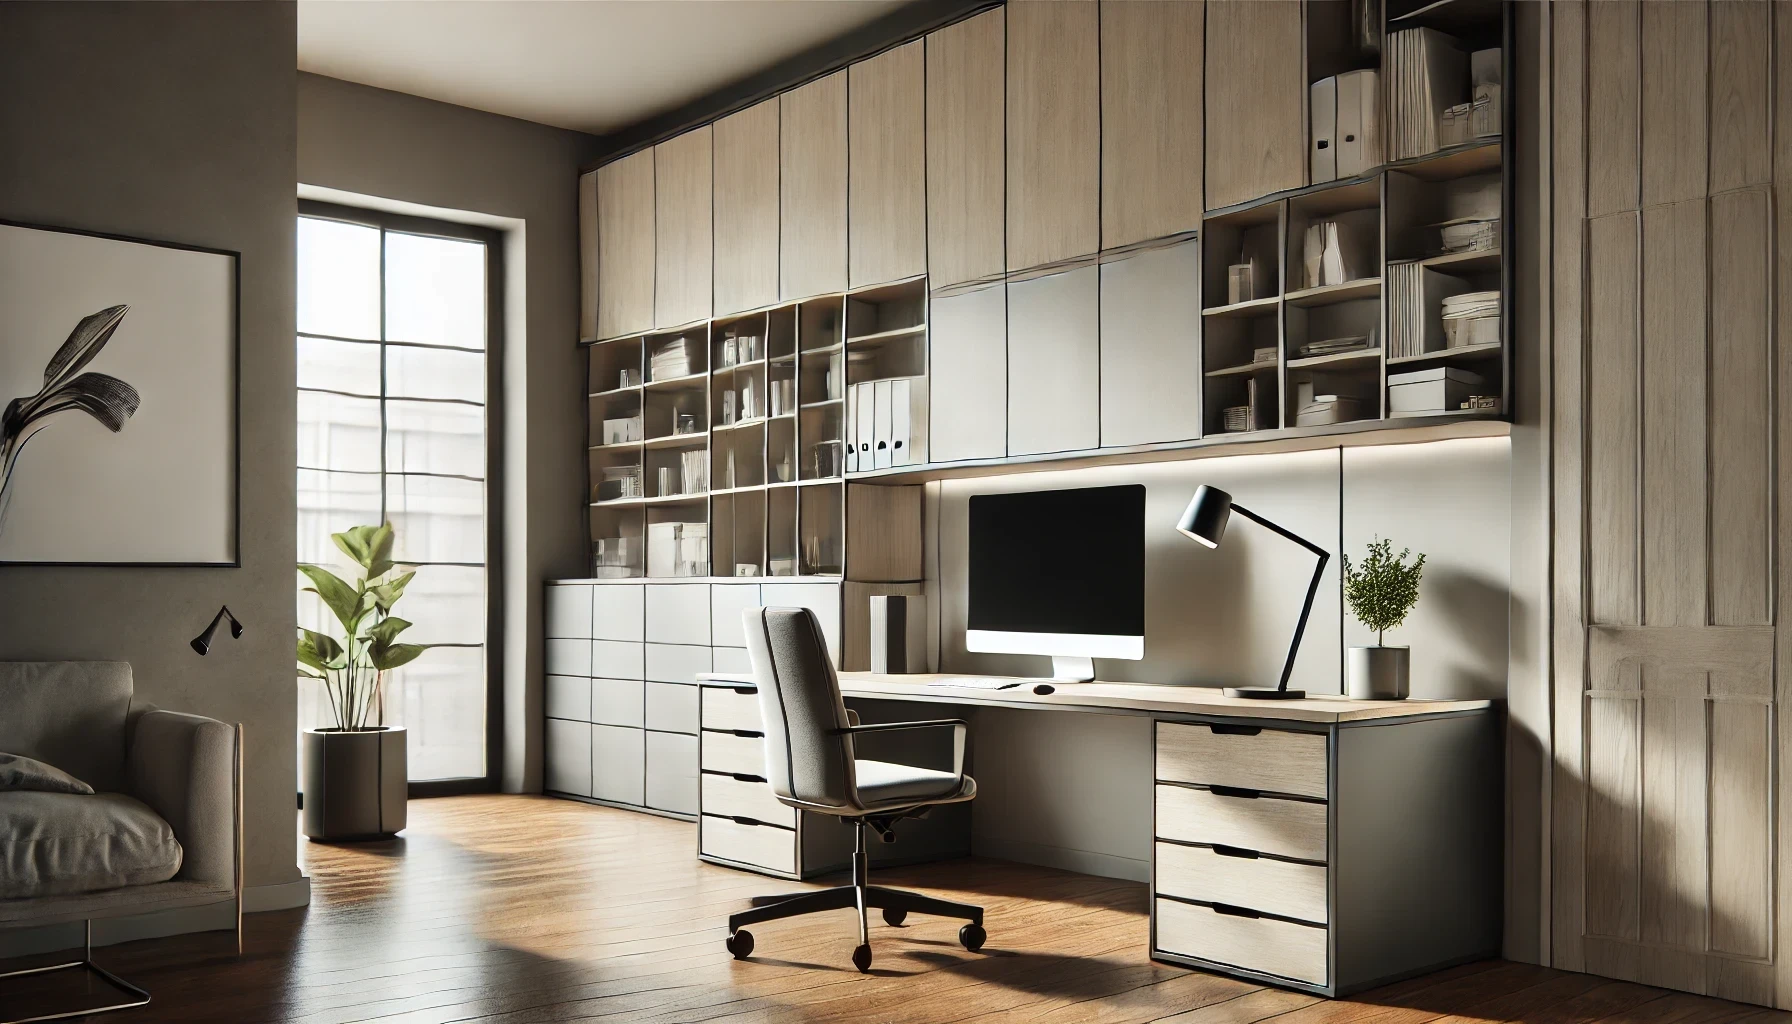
[
  {"x": 356, "y": 779},
  {"x": 1381, "y": 591}
]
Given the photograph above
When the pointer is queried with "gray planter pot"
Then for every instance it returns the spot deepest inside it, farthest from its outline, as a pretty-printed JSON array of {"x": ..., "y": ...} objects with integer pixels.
[
  {"x": 355, "y": 784},
  {"x": 1376, "y": 673}
]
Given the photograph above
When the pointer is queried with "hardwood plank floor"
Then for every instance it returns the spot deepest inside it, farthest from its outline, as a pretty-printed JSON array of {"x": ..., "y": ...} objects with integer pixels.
[{"x": 526, "y": 910}]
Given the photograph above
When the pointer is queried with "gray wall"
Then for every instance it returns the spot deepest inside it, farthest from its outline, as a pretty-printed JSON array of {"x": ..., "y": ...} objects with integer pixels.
[
  {"x": 174, "y": 121},
  {"x": 522, "y": 178}
]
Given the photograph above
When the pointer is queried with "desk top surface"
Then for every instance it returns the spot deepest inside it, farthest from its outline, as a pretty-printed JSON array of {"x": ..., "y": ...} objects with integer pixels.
[{"x": 1129, "y": 697}]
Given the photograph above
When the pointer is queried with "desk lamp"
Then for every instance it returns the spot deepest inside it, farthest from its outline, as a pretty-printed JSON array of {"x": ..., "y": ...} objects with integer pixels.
[{"x": 1205, "y": 521}]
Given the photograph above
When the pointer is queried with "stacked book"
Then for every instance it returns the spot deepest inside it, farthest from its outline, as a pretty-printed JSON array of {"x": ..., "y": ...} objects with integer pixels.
[
  {"x": 1427, "y": 74},
  {"x": 1264, "y": 356},
  {"x": 1471, "y": 318},
  {"x": 693, "y": 471},
  {"x": 1335, "y": 346},
  {"x": 619, "y": 482},
  {"x": 1406, "y": 314},
  {"x": 673, "y": 359}
]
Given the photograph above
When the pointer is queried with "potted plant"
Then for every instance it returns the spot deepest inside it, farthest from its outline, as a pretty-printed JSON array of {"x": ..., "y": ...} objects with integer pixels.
[
  {"x": 1381, "y": 591},
  {"x": 355, "y": 780}
]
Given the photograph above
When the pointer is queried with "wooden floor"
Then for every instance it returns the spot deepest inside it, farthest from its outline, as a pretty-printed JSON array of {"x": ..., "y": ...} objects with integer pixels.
[{"x": 520, "y": 910}]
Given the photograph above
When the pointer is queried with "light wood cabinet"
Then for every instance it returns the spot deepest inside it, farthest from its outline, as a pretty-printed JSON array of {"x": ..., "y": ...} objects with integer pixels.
[
  {"x": 887, "y": 166},
  {"x": 812, "y": 187},
  {"x": 625, "y": 245},
  {"x": 965, "y": 150},
  {"x": 684, "y": 243},
  {"x": 746, "y": 209},
  {"x": 1054, "y": 363},
  {"x": 1256, "y": 124},
  {"x": 1054, "y": 131},
  {"x": 1151, "y": 114},
  {"x": 588, "y": 256}
]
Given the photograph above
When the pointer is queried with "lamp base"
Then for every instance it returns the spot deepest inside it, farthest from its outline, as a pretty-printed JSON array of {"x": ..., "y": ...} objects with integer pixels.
[{"x": 1264, "y": 693}]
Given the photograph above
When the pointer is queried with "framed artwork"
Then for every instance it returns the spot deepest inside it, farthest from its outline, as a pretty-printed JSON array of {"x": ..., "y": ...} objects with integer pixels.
[{"x": 118, "y": 381}]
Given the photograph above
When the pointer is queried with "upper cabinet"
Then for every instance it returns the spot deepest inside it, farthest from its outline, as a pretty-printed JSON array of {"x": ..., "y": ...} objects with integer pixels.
[
  {"x": 625, "y": 243},
  {"x": 1054, "y": 130},
  {"x": 746, "y": 209},
  {"x": 1256, "y": 100},
  {"x": 588, "y": 256},
  {"x": 1151, "y": 69},
  {"x": 965, "y": 159},
  {"x": 812, "y": 183},
  {"x": 685, "y": 244},
  {"x": 887, "y": 165}
]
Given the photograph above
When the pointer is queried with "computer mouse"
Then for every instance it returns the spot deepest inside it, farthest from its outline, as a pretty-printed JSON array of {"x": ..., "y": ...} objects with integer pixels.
[{"x": 1044, "y": 688}]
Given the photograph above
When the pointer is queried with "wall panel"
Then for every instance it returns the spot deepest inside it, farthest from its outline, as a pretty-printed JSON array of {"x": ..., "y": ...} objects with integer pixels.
[
  {"x": 1611, "y": 419},
  {"x": 1674, "y": 130},
  {"x": 1613, "y": 112},
  {"x": 1741, "y": 93},
  {"x": 1742, "y": 382},
  {"x": 1673, "y": 414}
]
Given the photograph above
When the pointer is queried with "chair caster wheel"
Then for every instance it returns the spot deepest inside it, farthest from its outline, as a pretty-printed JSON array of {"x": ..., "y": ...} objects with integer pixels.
[
  {"x": 894, "y": 917},
  {"x": 972, "y": 937},
  {"x": 861, "y": 958},
  {"x": 741, "y": 944}
]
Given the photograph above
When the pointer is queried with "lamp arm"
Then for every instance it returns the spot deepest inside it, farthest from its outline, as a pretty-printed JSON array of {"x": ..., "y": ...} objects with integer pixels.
[{"x": 1300, "y": 625}]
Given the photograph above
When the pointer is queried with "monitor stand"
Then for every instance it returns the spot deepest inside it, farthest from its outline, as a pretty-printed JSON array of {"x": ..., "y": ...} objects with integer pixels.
[{"x": 1072, "y": 670}]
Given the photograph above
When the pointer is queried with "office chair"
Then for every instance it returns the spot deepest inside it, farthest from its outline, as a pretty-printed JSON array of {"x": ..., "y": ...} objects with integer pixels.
[{"x": 811, "y": 764}]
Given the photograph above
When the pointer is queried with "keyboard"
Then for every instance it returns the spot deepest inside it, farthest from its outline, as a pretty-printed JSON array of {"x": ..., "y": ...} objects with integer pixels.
[{"x": 976, "y": 683}]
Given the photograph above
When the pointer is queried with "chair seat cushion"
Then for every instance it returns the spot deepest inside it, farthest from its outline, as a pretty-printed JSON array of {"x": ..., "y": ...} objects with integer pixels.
[
  {"x": 881, "y": 782},
  {"x": 56, "y": 844}
]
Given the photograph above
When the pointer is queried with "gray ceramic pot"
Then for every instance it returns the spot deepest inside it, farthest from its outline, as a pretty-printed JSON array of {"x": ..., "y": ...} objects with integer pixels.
[
  {"x": 1376, "y": 673},
  {"x": 356, "y": 783}
]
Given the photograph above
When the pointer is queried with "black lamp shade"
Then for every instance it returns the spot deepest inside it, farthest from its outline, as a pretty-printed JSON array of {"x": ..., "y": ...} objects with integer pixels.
[
  {"x": 1205, "y": 518},
  {"x": 203, "y": 642}
]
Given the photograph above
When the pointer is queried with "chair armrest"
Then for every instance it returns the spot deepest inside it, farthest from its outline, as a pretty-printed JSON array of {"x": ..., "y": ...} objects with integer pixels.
[
  {"x": 960, "y": 730},
  {"x": 185, "y": 768}
]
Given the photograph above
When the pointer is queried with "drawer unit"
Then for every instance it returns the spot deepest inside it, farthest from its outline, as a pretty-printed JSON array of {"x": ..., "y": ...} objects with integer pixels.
[
  {"x": 618, "y": 764},
  {"x": 726, "y": 603},
  {"x": 730, "y": 797},
  {"x": 678, "y": 613},
  {"x": 568, "y": 757},
  {"x": 733, "y": 754},
  {"x": 617, "y": 659},
  {"x": 616, "y": 612},
  {"x": 1286, "y": 828},
  {"x": 731, "y": 659},
  {"x": 567, "y": 697},
  {"x": 568, "y": 657},
  {"x": 1241, "y": 878},
  {"x": 1242, "y": 757},
  {"x": 1240, "y": 938},
  {"x": 616, "y": 702},
  {"x": 676, "y": 663},
  {"x": 671, "y": 783},
  {"x": 728, "y": 708},
  {"x": 566, "y": 611},
  {"x": 762, "y": 846},
  {"x": 672, "y": 707}
]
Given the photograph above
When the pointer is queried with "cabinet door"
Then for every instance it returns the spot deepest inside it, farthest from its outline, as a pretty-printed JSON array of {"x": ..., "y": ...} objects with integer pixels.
[
  {"x": 1054, "y": 363},
  {"x": 678, "y": 613},
  {"x": 746, "y": 209},
  {"x": 567, "y": 615},
  {"x": 1054, "y": 131},
  {"x": 588, "y": 256},
  {"x": 968, "y": 396},
  {"x": 887, "y": 166},
  {"x": 965, "y": 160},
  {"x": 671, "y": 783},
  {"x": 1151, "y": 64},
  {"x": 726, "y": 603},
  {"x": 618, "y": 764},
  {"x": 616, "y": 612},
  {"x": 812, "y": 187},
  {"x": 684, "y": 243},
  {"x": 568, "y": 757},
  {"x": 821, "y": 598},
  {"x": 567, "y": 697},
  {"x": 1150, "y": 358},
  {"x": 617, "y": 702},
  {"x": 1256, "y": 101},
  {"x": 625, "y": 245}
]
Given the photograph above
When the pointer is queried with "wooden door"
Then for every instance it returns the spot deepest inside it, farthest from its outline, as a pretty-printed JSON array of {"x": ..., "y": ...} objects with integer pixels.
[
  {"x": 887, "y": 166},
  {"x": 746, "y": 209},
  {"x": 684, "y": 240},
  {"x": 625, "y": 245},
  {"x": 965, "y": 183},
  {"x": 1151, "y": 70},
  {"x": 1256, "y": 100},
  {"x": 1054, "y": 131},
  {"x": 812, "y": 184}
]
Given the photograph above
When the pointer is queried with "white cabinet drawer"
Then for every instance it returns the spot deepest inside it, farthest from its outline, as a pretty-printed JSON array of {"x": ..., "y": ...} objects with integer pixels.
[
  {"x": 567, "y": 697},
  {"x": 763, "y": 846},
  {"x": 616, "y": 702},
  {"x": 617, "y": 764},
  {"x": 727, "y": 708},
  {"x": 1272, "y": 886},
  {"x": 672, "y": 772},
  {"x": 678, "y": 613},
  {"x": 1271, "y": 760},
  {"x": 1281, "y": 948},
  {"x": 616, "y": 659},
  {"x": 616, "y": 612},
  {"x": 733, "y": 755},
  {"x": 731, "y": 659},
  {"x": 676, "y": 663},
  {"x": 567, "y": 611},
  {"x": 821, "y": 598},
  {"x": 726, "y": 603},
  {"x": 730, "y": 797},
  {"x": 568, "y": 768},
  {"x": 672, "y": 707},
  {"x": 568, "y": 657},
  {"x": 1288, "y": 828}
]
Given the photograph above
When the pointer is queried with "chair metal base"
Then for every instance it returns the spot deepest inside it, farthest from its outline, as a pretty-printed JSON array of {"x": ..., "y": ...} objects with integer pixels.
[{"x": 138, "y": 996}]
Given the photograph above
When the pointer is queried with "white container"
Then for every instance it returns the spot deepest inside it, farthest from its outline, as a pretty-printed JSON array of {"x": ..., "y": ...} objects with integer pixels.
[{"x": 1434, "y": 390}]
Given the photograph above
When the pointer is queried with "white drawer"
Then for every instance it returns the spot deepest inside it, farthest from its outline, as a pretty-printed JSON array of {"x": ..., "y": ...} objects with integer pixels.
[
  {"x": 727, "y": 708},
  {"x": 821, "y": 598},
  {"x": 617, "y": 659},
  {"x": 1264, "y": 944},
  {"x": 733, "y": 755},
  {"x": 618, "y": 764},
  {"x": 672, "y": 772},
  {"x": 726, "y": 603},
  {"x": 678, "y": 613},
  {"x": 672, "y": 707},
  {"x": 568, "y": 767},
  {"x": 1272, "y": 886},
  {"x": 730, "y": 797},
  {"x": 731, "y": 659},
  {"x": 763, "y": 846},
  {"x": 616, "y": 702},
  {"x": 676, "y": 663},
  {"x": 616, "y": 612},
  {"x": 567, "y": 697},
  {"x": 568, "y": 658},
  {"x": 1289, "y": 828},
  {"x": 1271, "y": 760},
  {"x": 567, "y": 611}
]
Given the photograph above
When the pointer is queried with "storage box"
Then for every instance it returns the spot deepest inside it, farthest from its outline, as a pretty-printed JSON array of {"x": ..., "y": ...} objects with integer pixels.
[{"x": 1438, "y": 389}]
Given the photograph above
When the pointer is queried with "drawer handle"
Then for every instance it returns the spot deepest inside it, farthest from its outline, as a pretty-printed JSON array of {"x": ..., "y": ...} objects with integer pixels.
[
  {"x": 746, "y": 690},
  {"x": 1235, "y": 792},
  {"x": 1229, "y": 851},
  {"x": 1232, "y": 911},
  {"x": 748, "y": 734},
  {"x": 738, "y": 777},
  {"x": 1235, "y": 730},
  {"x": 741, "y": 819}
]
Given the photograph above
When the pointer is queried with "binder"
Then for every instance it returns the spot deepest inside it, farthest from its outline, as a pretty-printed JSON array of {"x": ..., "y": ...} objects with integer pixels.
[
  {"x": 850, "y": 429},
  {"x": 902, "y": 438},
  {"x": 1322, "y": 154},
  {"x": 1359, "y": 122},
  {"x": 863, "y": 415},
  {"x": 881, "y": 451}
]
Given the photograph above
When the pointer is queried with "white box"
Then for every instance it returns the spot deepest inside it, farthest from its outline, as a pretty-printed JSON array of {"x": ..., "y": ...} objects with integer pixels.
[
  {"x": 1438, "y": 389},
  {"x": 1322, "y": 142},
  {"x": 1359, "y": 122}
]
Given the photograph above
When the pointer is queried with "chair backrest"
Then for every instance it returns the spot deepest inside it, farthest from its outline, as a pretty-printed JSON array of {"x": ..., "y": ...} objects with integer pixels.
[
  {"x": 69, "y": 714},
  {"x": 808, "y": 753}
]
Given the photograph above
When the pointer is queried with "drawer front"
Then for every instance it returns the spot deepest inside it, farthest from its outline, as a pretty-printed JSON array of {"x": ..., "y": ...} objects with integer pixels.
[
  {"x": 616, "y": 611},
  {"x": 761, "y": 845},
  {"x": 617, "y": 764},
  {"x": 567, "y": 697},
  {"x": 1272, "y": 886},
  {"x": 726, "y": 603},
  {"x": 616, "y": 702},
  {"x": 1271, "y": 760},
  {"x": 568, "y": 611},
  {"x": 1287, "y": 828},
  {"x": 1264, "y": 944},
  {"x": 731, "y": 659},
  {"x": 672, "y": 772},
  {"x": 672, "y": 707},
  {"x": 568, "y": 657},
  {"x": 676, "y": 663},
  {"x": 729, "y": 797},
  {"x": 568, "y": 767},
  {"x": 733, "y": 755},
  {"x": 617, "y": 659},
  {"x": 724, "y": 708},
  {"x": 678, "y": 613},
  {"x": 821, "y": 598}
]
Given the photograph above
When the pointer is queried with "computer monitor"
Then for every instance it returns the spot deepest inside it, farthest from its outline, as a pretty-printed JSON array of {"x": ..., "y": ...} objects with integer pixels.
[{"x": 1060, "y": 573}]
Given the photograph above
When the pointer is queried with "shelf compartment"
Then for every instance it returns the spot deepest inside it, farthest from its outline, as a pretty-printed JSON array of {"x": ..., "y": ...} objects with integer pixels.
[
  {"x": 614, "y": 419},
  {"x": 1252, "y": 236},
  {"x": 677, "y": 538},
  {"x": 821, "y": 525},
  {"x": 617, "y": 541},
  {"x": 737, "y": 534},
  {"x": 780, "y": 531},
  {"x": 1418, "y": 207},
  {"x": 679, "y": 355},
  {"x": 608, "y": 362},
  {"x": 821, "y": 323}
]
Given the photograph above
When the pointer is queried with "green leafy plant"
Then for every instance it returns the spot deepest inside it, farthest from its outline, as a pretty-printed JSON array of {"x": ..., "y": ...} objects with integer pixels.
[
  {"x": 1382, "y": 588},
  {"x": 353, "y": 668}
]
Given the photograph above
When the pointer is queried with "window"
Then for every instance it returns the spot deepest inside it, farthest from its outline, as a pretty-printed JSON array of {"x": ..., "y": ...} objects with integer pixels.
[{"x": 395, "y": 320}]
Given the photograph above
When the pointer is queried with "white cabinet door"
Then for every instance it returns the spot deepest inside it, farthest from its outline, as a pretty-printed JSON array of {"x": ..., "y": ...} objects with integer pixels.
[
  {"x": 821, "y": 598},
  {"x": 568, "y": 768},
  {"x": 672, "y": 772},
  {"x": 968, "y": 375},
  {"x": 1054, "y": 363},
  {"x": 726, "y": 602},
  {"x": 731, "y": 659},
  {"x": 618, "y": 764},
  {"x": 676, "y": 663},
  {"x": 567, "y": 611},
  {"x": 672, "y": 707},
  {"x": 616, "y": 659},
  {"x": 1150, "y": 365},
  {"x": 568, "y": 657},
  {"x": 678, "y": 613},
  {"x": 616, "y": 612},
  {"x": 567, "y": 697},
  {"x": 616, "y": 702}
]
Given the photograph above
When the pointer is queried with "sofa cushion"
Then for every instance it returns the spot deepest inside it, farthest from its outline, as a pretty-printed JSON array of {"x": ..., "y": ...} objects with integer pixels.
[
  {"x": 20, "y": 772},
  {"x": 71, "y": 714},
  {"x": 54, "y": 844}
]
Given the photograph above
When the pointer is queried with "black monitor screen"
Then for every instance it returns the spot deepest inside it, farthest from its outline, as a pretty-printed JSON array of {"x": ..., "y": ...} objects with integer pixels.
[{"x": 1068, "y": 561}]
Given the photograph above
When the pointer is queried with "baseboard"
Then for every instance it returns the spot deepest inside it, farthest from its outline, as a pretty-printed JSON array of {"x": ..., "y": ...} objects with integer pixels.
[
  {"x": 1083, "y": 862},
  {"x": 156, "y": 924}
]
